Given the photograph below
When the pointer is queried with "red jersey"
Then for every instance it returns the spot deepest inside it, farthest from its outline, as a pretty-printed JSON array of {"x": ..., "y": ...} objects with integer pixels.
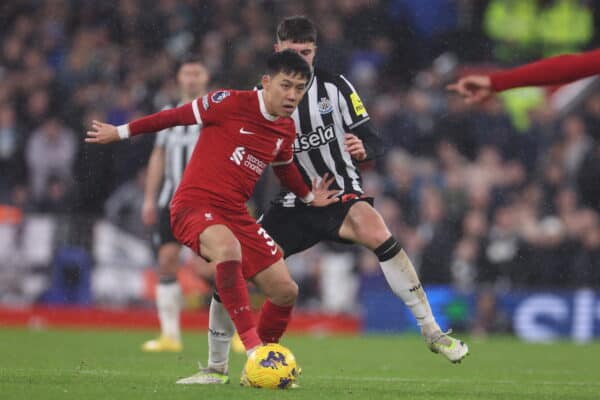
[
  {"x": 239, "y": 140},
  {"x": 550, "y": 71}
]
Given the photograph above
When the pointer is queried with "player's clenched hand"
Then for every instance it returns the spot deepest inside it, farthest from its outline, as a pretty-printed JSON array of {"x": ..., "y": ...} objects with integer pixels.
[
  {"x": 354, "y": 146},
  {"x": 324, "y": 196},
  {"x": 474, "y": 88},
  {"x": 102, "y": 133}
]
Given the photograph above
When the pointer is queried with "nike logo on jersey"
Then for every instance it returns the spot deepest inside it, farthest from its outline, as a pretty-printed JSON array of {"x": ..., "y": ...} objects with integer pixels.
[{"x": 245, "y": 132}]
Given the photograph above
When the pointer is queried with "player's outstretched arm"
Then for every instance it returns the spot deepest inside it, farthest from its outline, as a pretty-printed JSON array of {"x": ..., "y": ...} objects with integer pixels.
[
  {"x": 187, "y": 114},
  {"x": 557, "y": 70}
]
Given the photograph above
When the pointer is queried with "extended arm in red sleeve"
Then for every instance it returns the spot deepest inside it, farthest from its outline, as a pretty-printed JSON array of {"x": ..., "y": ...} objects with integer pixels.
[
  {"x": 290, "y": 177},
  {"x": 550, "y": 71},
  {"x": 187, "y": 114}
]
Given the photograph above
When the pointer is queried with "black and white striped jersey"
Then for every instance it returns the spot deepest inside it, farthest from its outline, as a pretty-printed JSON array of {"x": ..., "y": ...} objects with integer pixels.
[
  {"x": 330, "y": 108},
  {"x": 178, "y": 143}
]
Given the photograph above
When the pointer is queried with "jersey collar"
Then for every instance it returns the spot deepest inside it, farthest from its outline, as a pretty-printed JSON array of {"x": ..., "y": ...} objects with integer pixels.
[{"x": 263, "y": 107}]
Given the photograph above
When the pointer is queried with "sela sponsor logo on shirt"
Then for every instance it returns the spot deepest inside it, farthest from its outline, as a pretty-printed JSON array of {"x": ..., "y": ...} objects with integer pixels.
[
  {"x": 219, "y": 96},
  {"x": 313, "y": 140},
  {"x": 240, "y": 157},
  {"x": 324, "y": 106}
]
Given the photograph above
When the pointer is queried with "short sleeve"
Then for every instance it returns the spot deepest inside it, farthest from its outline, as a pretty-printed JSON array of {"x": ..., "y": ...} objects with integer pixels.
[{"x": 351, "y": 106}]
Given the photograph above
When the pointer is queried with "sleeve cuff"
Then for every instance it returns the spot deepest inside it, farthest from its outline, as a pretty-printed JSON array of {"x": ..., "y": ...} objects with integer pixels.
[
  {"x": 308, "y": 198},
  {"x": 123, "y": 131},
  {"x": 280, "y": 163}
]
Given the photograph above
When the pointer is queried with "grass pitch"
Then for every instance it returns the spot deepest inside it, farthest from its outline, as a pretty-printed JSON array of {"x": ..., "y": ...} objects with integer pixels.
[{"x": 86, "y": 365}]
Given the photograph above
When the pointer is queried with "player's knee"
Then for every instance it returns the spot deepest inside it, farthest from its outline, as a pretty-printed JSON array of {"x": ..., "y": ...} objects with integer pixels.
[
  {"x": 168, "y": 260},
  {"x": 366, "y": 226},
  {"x": 379, "y": 236},
  {"x": 372, "y": 236},
  {"x": 286, "y": 294}
]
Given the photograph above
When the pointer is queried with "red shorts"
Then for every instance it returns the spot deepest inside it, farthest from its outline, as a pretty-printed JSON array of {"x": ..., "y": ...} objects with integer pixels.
[{"x": 259, "y": 251}]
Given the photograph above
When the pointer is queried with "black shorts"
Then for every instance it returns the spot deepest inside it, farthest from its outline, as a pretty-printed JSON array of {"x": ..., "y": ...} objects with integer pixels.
[
  {"x": 163, "y": 233},
  {"x": 298, "y": 228}
]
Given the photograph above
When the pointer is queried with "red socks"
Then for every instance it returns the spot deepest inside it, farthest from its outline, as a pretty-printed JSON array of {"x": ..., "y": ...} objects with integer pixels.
[
  {"x": 233, "y": 292},
  {"x": 273, "y": 321}
]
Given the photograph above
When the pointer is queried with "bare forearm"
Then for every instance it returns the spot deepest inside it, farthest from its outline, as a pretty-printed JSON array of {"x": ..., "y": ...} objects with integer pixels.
[{"x": 154, "y": 174}]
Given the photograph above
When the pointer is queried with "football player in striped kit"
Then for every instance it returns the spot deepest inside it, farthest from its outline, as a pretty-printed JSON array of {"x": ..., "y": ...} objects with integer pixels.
[
  {"x": 172, "y": 151},
  {"x": 333, "y": 134}
]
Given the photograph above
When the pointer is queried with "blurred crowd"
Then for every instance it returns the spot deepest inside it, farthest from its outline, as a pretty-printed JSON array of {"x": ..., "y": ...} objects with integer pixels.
[{"x": 505, "y": 194}]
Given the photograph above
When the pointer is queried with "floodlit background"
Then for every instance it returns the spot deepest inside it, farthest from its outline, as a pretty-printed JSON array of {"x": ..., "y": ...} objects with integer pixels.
[{"x": 498, "y": 205}]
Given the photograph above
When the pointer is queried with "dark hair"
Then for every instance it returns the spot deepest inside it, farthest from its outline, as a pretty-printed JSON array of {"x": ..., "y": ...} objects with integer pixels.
[
  {"x": 188, "y": 59},
  {"x": 288, "y": 62},
  {"x": 297, "y": 29}
]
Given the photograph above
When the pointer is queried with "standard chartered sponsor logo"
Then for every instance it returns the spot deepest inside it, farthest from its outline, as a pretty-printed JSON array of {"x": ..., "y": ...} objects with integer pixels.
[
  {"x": 254, "y": 164},
  {"x": 238, "y": 155},
  {"x": 250, "y": 162}
]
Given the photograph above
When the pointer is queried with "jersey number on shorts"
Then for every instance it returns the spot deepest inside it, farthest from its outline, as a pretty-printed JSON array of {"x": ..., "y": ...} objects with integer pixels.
[{"x": 270, "y": 241}]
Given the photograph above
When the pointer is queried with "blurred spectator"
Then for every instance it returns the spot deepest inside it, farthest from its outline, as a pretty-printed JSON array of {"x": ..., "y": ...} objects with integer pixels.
[
  {"x": 56, "y": 198},
  {"x": 592, "y": 116},
  {"x": 576, "y": 144},
  {"x": 398, "y": 184},
  {"x": 333, "y": 43},
  {"x": 436, "y": 236},
  {"x": 511, "y": 25},
  {"x": 564, "y": 26},
  {"x": 36, "y": 111},
  {"x": 124, "y": 206},
  {"x": 500, "y": 251},
  {"x": 588, "y": 177},
  {"x": 12, "y": 165},
  {"x": 50, "y": 151},
  {"x": 493, "y": 128},
  {"x": 413, "y": 128}
]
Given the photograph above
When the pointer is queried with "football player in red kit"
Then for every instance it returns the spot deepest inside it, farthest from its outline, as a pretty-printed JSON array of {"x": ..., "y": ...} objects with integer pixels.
[
  {"x": 242, "y": 133},
  {"x": 557, "y": 70}
]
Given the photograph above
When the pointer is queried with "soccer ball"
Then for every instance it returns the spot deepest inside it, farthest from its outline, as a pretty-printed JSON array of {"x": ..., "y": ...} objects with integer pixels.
[{"x": 271, "y": 366}]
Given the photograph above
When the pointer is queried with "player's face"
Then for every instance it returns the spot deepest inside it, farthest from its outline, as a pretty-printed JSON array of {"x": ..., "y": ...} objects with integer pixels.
[
  {"x": 192, "y": 79},
  {"x": 283, "y": 92},
  {"x": 306, "y": 50}
]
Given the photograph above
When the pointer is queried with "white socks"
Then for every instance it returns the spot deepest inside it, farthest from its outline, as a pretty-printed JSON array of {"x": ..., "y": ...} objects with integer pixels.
[
  {"x": 168, "y": 302},
  {"x": 220, "y": 333},
  {"x": 402, "y": 278}
]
